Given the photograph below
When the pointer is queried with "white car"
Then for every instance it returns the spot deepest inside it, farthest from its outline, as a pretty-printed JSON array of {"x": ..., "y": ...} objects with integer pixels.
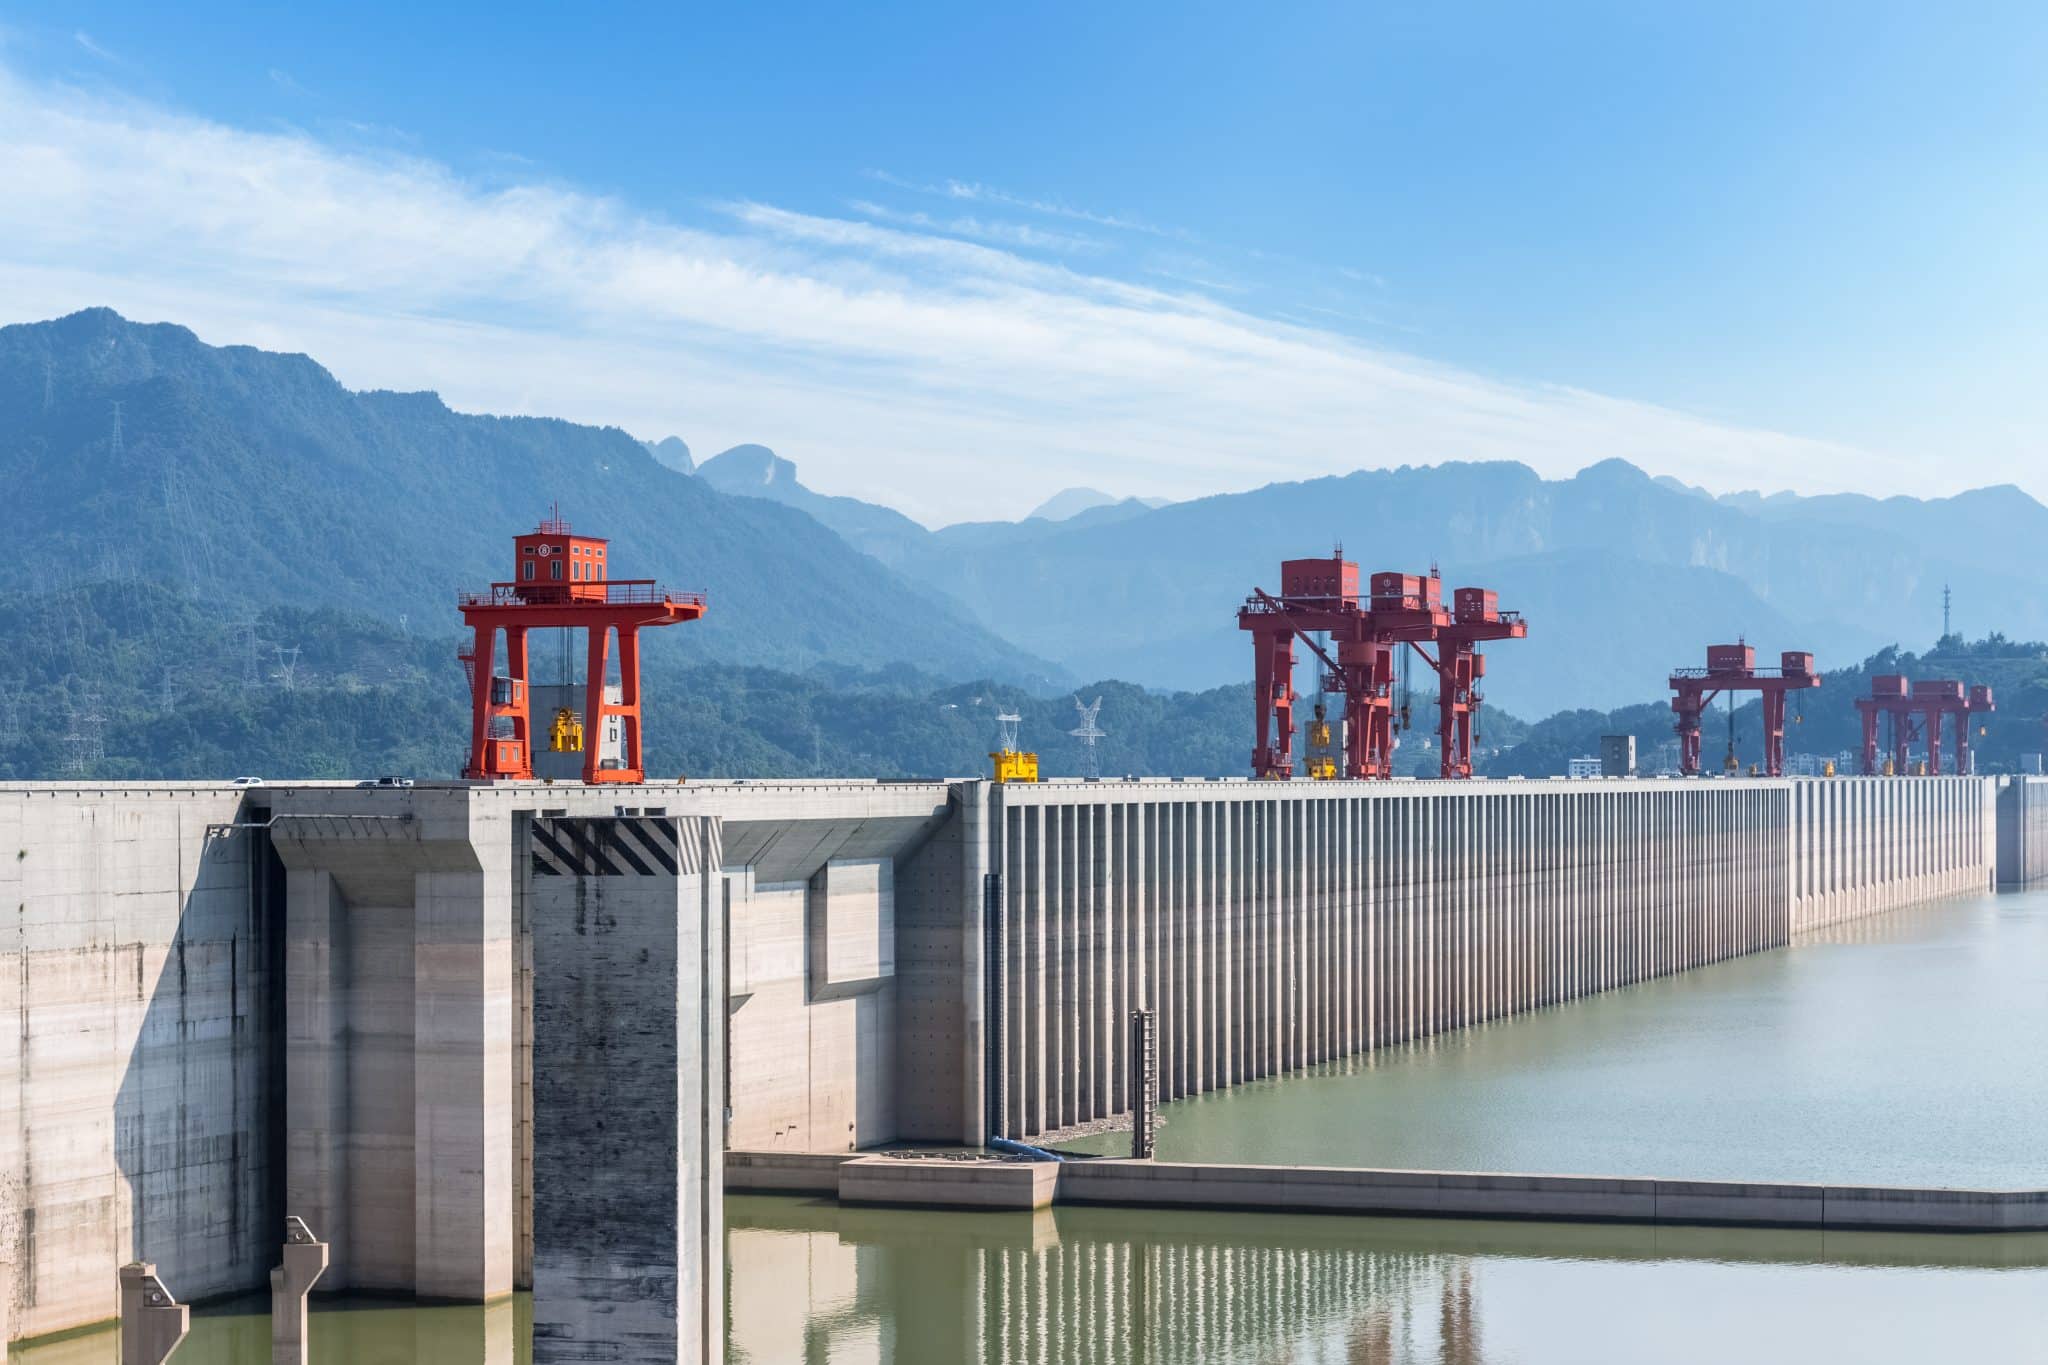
[{"x": 246, "y": 782}]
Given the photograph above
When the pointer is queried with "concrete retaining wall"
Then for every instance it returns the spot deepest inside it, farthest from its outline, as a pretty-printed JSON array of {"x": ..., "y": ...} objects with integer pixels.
[{"x": 886, "y": 1180}]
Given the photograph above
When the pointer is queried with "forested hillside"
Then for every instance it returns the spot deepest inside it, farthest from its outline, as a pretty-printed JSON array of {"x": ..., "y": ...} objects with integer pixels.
[{"x": 253, "y": 479}]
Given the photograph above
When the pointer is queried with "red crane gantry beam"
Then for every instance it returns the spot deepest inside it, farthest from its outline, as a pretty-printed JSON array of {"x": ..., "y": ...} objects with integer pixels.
[{"x": 1732, "y": 668}]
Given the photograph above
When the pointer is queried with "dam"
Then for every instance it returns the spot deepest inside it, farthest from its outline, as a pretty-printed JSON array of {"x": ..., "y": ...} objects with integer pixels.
[{"x": 399, "y": 1013}]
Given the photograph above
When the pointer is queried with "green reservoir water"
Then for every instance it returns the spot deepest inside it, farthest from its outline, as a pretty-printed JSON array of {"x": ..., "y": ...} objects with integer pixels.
[
  {"x": 810, "y": 1283},
  {"x": 1908, "y": 1048}
]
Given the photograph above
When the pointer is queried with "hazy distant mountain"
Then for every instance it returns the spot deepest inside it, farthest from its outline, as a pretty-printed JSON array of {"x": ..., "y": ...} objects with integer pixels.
[
  {"x": 138, "y": 451},
  {"x": 671, "y": 451},
  {"x": 1622, "y": 576},
  {"x": 755, "y": 471},
  {"x": 1069, "y": 502}
]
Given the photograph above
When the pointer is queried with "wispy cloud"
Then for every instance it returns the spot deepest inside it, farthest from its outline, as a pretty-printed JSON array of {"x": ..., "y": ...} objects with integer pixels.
[
  {"x": 97, "y": 49},
  {"x": 951, "y": 377},
  {"x": 979, "y": 229},
  {"x": 285, "y": 81},
  {"x": 975, "y": 192}
]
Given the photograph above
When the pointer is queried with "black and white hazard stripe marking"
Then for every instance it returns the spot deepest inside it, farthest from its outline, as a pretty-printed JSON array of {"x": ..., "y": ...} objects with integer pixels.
[{"x": 617, "y": 847}]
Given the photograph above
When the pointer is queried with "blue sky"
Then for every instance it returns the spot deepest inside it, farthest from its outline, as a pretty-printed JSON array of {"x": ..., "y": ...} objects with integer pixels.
[{"x": 1162, "y": 249}]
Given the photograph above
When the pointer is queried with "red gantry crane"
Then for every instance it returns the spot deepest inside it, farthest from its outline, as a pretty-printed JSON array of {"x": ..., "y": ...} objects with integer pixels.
[
  {"x": 1732, "y": 668},
  {"x": 1916, "y": 711},
  {"x": 1475, "y": 618},
  {"x": 1321, "y": 597},
  {"x": 560, "y": 581}
]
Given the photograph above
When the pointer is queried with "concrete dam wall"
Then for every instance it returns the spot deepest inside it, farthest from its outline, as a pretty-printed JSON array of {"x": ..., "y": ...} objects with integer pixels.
[
  {"x": 1274, "y": 928},
  {"x": 2022, "y": 831},
  {"x": 225, "y": 1005}
]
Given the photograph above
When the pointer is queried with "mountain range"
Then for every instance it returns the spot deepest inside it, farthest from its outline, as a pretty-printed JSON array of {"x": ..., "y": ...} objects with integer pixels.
[
  {"x": 1622, "y": 576},
  {"x": 252, "y": 480}
]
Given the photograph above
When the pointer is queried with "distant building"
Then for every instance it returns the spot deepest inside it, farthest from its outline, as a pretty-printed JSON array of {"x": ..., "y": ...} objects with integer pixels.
[
  {"x": 1617, "y": 755},
  {"x": 1582, "y": 767},
  {"x": 2030, "y": 763}
]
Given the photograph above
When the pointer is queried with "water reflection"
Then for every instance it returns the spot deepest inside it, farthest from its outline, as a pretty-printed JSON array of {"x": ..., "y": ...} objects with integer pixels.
[
  {"x": 344, "y": 1332},
  {"x": 814, "y": 1283}
]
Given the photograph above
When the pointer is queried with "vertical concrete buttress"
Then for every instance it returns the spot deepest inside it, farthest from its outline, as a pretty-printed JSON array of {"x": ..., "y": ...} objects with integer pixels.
[{"x": 628, "y": 1140}]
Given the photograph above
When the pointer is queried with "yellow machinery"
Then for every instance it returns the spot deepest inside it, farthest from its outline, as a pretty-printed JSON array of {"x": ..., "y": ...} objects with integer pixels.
[
  {"x": 1015, "y": 765},
  {"x": 1321, "y": 759},
  {"x": 565, "y": 736},
  {"x": 1829, "y": 770}
]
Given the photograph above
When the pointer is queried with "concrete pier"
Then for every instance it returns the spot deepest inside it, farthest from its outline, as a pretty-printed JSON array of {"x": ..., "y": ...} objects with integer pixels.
[
  {"x": 304, "y": 1262},
  {"x": 152, "y": 1322},
  {"x": 628, "y": 1128}
]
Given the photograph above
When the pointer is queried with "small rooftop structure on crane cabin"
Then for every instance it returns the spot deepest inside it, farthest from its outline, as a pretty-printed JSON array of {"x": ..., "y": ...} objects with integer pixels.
[{"x": 561, "y": 580}]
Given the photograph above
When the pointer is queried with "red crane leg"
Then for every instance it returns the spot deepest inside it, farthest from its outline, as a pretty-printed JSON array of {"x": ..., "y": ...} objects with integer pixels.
[
  {"x": 632, "y": 768},
  {"x": 1774, "y": 732},
  {"x": 1933, "y": 727},
  {"x": 1283, "y": 701},
  {"x": 1962, "y": 744},
  {"x": 1262, "y": 707},
  {"x": 1273, "y": 703},
  {"x": 1869, "y": 717},
  {"x": 1688, "y": 704},
  {"x": 593, "y": 700},
  {"x": 483, "y": 662},
  {"x": 517, "y": 708}
]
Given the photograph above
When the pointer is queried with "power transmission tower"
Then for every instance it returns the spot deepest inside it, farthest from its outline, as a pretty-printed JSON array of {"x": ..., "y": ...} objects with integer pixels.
[
  {"x": 49, "y": 383},
  {"x": 117, "y": 447},
  {"x": 287, "y": 673},
  {"x": 11, "y": 690},
  {"x": 167, "y": 692},
  {"x": 86, "y": 739},
  {"x": 244, "y": 632},
  {"x": 1944, "y": 611},
  {"x": 1087, "y": 733}
]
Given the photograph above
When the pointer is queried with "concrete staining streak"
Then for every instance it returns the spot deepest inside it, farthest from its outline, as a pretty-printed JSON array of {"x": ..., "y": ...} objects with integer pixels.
[{"x": 1272, "y": 929}]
